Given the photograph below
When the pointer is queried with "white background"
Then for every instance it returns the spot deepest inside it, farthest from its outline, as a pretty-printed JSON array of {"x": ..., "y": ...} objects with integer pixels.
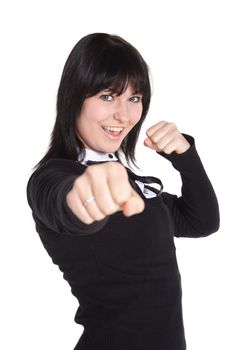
[{"x": 188, "y": 46}]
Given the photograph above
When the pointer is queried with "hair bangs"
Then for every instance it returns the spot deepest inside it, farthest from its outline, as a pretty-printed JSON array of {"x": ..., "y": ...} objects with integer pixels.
[{"x": 115, "y": 70}]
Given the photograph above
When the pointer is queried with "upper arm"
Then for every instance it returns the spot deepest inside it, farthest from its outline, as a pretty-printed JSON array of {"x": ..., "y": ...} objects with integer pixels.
[{"x": 190, "y": 218}]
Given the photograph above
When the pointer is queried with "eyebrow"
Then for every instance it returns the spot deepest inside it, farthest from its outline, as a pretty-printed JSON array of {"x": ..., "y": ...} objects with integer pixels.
[{"x": 115, "y": 92}]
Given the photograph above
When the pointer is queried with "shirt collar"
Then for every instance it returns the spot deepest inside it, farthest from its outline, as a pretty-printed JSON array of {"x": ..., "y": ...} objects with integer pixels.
[{"x": 97, "y": 156}]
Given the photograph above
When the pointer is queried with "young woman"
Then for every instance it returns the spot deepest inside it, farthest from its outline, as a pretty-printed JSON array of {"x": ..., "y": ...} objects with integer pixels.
[{"x": 110, "y": 233}]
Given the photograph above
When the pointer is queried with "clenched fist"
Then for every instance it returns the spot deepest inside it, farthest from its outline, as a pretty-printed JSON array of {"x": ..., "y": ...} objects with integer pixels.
[
  {"x": 165, "y": 137},
  {"x": 108, "y": 184}
]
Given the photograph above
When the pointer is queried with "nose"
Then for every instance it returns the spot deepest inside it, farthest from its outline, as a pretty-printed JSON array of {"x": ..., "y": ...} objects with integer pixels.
[{"x": 121, "y": 111}]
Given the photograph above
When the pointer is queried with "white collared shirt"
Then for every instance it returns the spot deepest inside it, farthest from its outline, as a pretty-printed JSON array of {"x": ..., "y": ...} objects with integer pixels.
[
  {"x": 96, "y": 156},
  {"x": 102, "y": 156}
]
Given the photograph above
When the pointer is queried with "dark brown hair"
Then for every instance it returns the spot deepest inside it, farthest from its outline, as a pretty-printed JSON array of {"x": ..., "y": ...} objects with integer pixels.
[{"x": 97, "y": 62}]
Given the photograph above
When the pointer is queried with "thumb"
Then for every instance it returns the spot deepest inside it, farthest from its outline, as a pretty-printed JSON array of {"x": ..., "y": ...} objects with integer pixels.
[
  {"x": 134, "y": 205},
  {"x": 148, "y": 143}
]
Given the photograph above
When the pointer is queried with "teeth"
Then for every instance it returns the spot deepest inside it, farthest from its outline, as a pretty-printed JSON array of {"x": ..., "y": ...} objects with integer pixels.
[{"x": 113, "y": 128}]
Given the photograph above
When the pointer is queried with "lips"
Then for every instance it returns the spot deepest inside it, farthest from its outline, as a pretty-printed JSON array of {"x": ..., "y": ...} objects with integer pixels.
[
  {"x": 112, "y": 129},
  {"x": 113, "y": 132}
]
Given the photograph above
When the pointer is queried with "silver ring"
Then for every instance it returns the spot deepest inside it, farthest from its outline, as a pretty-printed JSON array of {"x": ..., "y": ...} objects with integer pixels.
[{"x": 88, "y": 200}]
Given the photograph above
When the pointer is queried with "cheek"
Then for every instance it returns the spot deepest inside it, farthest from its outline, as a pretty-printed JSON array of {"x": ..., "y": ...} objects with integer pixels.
[
  {"x": 137, "y": 115},
  {"x": 87, "y": 118}
]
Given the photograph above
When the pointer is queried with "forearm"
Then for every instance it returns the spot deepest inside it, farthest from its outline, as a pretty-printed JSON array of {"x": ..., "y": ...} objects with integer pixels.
[
  {"x": 47, "y": 190},
  {"x": 196, "y": 212}
]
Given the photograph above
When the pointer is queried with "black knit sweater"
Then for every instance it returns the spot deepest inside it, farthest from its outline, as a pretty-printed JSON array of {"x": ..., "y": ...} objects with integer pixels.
[{"x": 123, "y": 270}]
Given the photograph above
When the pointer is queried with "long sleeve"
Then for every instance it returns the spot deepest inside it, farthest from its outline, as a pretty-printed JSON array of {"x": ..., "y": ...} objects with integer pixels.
[
  {"x": 46, "y": 192},
  {"x": 196, "y": 212}
]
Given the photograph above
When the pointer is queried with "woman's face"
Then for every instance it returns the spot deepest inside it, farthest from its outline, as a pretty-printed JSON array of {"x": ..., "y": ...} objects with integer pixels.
[{"x": 106, "y": 119}]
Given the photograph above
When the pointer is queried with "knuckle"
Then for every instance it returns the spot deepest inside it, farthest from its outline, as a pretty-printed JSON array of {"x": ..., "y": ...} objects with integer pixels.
[
  {"x": 121, "y": 171},
  {"x": 117, "y": 171},
  {"x": 108, "y": 210},
  {"x": 76, "y": 181},
  {"x": 172, "y": 126},
  {"x": 99, "y": 217},
  {"x": 79, "y": 182},
  {"x": 140, "y": 206},
  {"x": 121, "y": 199},
  {"x": 159, "y": 144},
  {"x": 91, "y": 170},
  {"x": 88, "y": 221},
  {"x": 155, "y": 138},
  {"x": 167, "y": 150},
  {"x": 115, "y": 166}
]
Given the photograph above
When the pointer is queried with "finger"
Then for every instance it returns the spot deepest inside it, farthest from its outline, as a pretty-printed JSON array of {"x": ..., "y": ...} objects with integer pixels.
[
  {"x": 152, "y": 145},
  {"x": 101, "y": 189},
  {"x": 83, "y": 213},
  {"x": 155, "y": 128},
  {"x": 84, "y": 192},
  {"x": 122, "y": 192},
  {"x": 162, "y": 132},
  {"x": 76, "y": 206},
  {"x": 176, "y": 145},
  {"x": 92, "y": 208},
  {"x": 119, "y": 193},
  {"x": 171, "y": 146},
  {"x": 103, "y": 196},
  {"x": 164, "y": 141},
  {"x": 119, "y": 186}
]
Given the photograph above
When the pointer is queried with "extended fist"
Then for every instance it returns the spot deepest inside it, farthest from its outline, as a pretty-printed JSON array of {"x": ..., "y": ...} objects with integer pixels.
[
  {"x": 108, "y": 184},
  {"x": 165, "y": 137}
]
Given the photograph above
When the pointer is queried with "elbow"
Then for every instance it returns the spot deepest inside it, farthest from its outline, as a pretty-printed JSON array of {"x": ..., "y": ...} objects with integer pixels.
[
  {"x": 215, "y": 226},
  {"x": 210, "y": 223},
  {"x": 207, "y": 228},
  {"x": 213, "y": 223},
  {"x": 200, "y": 227}
]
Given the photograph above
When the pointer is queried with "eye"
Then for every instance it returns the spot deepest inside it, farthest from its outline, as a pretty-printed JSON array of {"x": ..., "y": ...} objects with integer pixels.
[
  {"x": 107, "y": 98},
  {"x": 135, "y": 99}
]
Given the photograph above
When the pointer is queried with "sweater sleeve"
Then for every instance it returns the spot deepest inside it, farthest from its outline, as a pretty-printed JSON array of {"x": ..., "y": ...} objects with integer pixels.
[
  {"x": 196, "y": 211},
  {"x": 46, "y": 193}
]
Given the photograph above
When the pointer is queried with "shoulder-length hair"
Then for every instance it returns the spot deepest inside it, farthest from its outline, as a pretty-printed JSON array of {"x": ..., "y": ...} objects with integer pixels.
[{"x": 97, "y": 62}]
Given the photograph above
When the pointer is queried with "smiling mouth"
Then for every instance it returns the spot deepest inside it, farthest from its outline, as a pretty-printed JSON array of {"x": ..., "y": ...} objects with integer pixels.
[{"x": 114, "y": 131}]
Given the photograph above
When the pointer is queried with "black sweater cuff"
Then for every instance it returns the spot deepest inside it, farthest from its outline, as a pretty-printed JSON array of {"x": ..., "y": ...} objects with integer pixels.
[{"x": 185, "y": 160}]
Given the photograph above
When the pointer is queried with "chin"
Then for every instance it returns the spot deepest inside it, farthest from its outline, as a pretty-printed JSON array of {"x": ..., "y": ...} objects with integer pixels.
[{"x": 109, "y": 149}]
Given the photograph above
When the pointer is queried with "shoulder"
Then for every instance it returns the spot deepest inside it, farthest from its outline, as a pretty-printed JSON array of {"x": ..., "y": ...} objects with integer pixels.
[
  {"x": 61, "y": 165},
  {"x": 56, "y": 168}
]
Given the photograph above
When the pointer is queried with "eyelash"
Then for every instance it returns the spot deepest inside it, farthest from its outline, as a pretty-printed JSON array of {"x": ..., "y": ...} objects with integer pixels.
[
  {"x": 105, "y": 98},
  {"x": 139, "y": 98}
]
